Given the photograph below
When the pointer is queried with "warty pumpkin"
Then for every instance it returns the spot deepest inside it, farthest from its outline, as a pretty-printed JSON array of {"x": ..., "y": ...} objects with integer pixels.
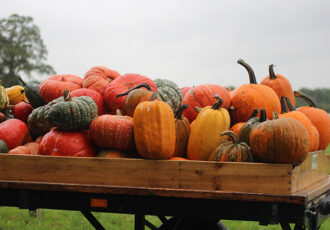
[
  {"x": 204, "y": 135},
  {"x": 249, "y": 96},
  {"x": 154, "y": 130},
  {"x": 235, "y": 150},
  {"x": 319, "y": 118},
  {"x": 4, "y": 100},
  {"x": 283, "y": 141},
  {"x": 16, "y": 94},
  {"x": 169, "y": 92},
  {"x": 182, "y": 132}
]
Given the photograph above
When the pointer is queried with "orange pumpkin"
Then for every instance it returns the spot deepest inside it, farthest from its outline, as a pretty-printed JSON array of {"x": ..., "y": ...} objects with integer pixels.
[
  {"x": 237, "y": 127},
  {"x": 178, "y": 159},
  {"x": 111, "y": 153},
  {"x": 182, "y": 132}
]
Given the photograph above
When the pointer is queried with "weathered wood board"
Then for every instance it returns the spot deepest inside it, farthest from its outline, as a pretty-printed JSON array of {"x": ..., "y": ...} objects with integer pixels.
[{"x": 165, "y": 174}]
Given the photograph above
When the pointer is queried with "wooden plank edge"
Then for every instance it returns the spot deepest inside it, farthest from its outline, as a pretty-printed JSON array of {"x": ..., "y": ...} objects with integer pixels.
[{"x": 315, "y": 190}]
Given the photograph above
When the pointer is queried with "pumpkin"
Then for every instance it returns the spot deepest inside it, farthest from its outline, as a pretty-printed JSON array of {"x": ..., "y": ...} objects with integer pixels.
[
  {"x": 2, "y": 117},
  {"x": 98, "y": 78},
  {"x": 14, "y": 132},
  {"x": 3, "y": 147},
  {"x": 154, "y": 130},
  {"x": 249, "y": 96},
  {"x": 235, "y": 150},
  {"x": 120, "y": 85},
  {"x": 135, "y": 96},
  {"x": 244, "y": 133},
  {"x": 97, "y": 97},
  {"x": 283, "y": 141},
  {"x": 169, "y": 92},
  {"x": 182, "y": 132},
  {"x": 202, "y": 96},
  {"x": 318, "y": 117},
  {"x": 178, "y": 159},
  {"x": 22, "y": 111},
  {"x": 31, "y": 90},
  {"x": 72, "y": 114},
  {"x": 30, "y": 148},
  {"x": 4, "y": 100},
  {"x": 280, "y": 84},
  {"x": 111, "y": 153},
  {"x": 315, "y": 138},
  {"x": 53, "y": 87},
  {"x": 204, "y": 135},
  {"x": 185, "y": 90},
  {"x": 113, "y": 131},
  {"x": 16, "y": 94},
  {"x": 237, "y": 127},
  {"x": 302, "y": 118},
  {"x": 58, "y": 143}
]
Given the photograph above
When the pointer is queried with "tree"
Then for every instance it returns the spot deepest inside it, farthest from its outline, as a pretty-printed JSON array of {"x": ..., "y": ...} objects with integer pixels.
[{"x": 21, "y": 50}]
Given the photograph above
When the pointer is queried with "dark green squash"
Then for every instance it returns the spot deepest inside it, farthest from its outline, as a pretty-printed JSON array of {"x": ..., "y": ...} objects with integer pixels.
[
  {"x": 3, "y": 147},
  {"x": 32, "y": 93},
  {"x": 169, "y": 92}
]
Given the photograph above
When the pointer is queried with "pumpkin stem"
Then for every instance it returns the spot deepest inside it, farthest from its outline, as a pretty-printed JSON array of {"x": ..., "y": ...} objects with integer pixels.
[
  {"x": 198, "y": 109},
  {"x": 118, "y": 112},
  {"x": 272, "y": 74},
  {"x": 66, "y": 95},
  {"x": 263, "y": 115},
  {"x": 250, "y": 71},
  {"x": 284, "y": 106},
  {"x": 290, "y": 106},
  {"x": 275, "y": 115},
  {"x": 233, "y": 136},
  {"x": 254, "y": 113},
  {"x": 178, "y": 113},
  {"x": 21, "y": 80},
  {"x": 306, "y": 98},
  {"x": 218, "y": 103},
  {"x": 136, "y": 87}
]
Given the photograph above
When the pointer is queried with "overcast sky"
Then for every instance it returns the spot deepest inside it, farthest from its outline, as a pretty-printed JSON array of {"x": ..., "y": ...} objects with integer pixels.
[{"x": 188, "y": 42}]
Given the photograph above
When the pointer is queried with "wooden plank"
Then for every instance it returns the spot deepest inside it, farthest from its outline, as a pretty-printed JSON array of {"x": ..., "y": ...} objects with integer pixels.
[
  {"x": 140, "y": 173},
  {"x": 315, "y": 168}
]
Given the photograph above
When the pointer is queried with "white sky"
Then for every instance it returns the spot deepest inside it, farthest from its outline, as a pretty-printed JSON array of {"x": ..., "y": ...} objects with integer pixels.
[{"x": 188, "y": 42}]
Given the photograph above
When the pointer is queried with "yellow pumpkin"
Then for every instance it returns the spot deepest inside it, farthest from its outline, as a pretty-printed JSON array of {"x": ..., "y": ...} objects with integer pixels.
[
  {"x": 154, "y": 130},
  {"x": 4, "y": 100},
  {"x": 205, "y": 133},
  {"x": 16, "y": 94}
]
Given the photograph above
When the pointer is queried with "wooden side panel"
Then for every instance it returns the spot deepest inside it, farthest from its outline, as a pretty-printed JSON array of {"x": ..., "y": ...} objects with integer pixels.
[
  {"x": 140, "y": 173},
  {"x": 314, "y": 169}
]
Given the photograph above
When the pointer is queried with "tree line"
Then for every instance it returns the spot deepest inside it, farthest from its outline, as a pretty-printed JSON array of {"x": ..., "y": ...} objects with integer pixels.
[{"x": 321, "y": 97}]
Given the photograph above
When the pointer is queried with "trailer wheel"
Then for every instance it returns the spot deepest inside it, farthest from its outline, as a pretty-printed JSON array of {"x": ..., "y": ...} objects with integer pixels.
[{"x": 179, "y": 223}]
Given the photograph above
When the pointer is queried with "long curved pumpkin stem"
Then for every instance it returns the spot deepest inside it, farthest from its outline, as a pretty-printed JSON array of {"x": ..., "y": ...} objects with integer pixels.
[
  {"x": 136, "y": 87},
  {"x": 306, "y": 98},
  {"x": 284, "y": 106},
  {"x": 289, "y": 104},
  {"x": 254, "y": 113},
  {"x": 66, "y": 95},
  {"x": 250, "y": 71},
  {"x": 218, "y": 103},
  {"x": 178, "y": 113},
  {"x": 272, "y": 74},
  {"x": 263, "y": 115},
  {"x": 233, "y": 136},
  {"x": 21, "y": 80}
]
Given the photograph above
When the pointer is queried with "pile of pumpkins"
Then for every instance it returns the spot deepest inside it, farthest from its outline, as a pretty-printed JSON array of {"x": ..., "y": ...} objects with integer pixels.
[{"x": 107, "y": 114}]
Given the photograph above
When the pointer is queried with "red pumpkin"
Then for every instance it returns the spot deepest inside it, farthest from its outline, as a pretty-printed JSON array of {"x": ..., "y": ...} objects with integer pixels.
[
  {"x": 97, "y": 97},
  {"x": 2, "y": 117},
  {"x": 14, "y": 132},
  {"x": 98, "y": 78},
  {"x": 202, "y": 96},
  {"x": 30, "y": 148},
  {"x": 22, "y": 111},
  {"x": 54, "y": 86},
  {"x": 120, "y": 85},
  {"x": 185, "y": 90},
  {"x": 58, "y": 143}
]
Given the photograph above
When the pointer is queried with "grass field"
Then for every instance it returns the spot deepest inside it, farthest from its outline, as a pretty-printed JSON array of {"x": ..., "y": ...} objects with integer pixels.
[{"x": 14, "y": 218}]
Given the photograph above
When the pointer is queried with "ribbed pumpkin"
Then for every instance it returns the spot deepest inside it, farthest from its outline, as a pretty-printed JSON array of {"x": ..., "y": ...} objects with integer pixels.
[
  {"x": 244, "y": 133},
  {"x": 319, "y": 118},
  {"x": 182, "y": 132},
  {"x": 72, "y": 114},
  {"x": 16, "y": 94},
  {"x": 113, "y": 131},
  {"x": 97, "y": 97},
  {"x": 58, "y": 143},
  {"x": 154, "y": 130},
  {"x": 98, "y": 78},
  {"x": 249, "y": 96},
  {"x": 4, "y": 100},
  {"x": 299, "y": 116},
  {"x": 283, "y": 141},
  {"x": 237, "y": 127},
  {"x": 203, "y": 95},
  {"x": 315, "y": 138},
  {"x": 22, "y": 111},
  {"x": 204, "y": 135},
  {"x": 32, "y": 93},
  {"x": 14, "y": 132},
  {"x": 235, "y": 150},
  {"x": 53, "y": 87},
  {"x": 185, "y": 90},
  {"x": 3, "y": 147},
  {"x": 120, "y": 85},
  {"x": 135, "y": 96},
  {"x": 169, "y": 92},
  {"x": 280, "y": 84}
]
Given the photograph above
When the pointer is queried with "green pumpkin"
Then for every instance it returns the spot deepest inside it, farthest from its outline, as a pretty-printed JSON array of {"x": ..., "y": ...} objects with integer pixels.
[
  {"x": 3, "y": 147},
  {"x": 244, "y": 133},
  {"x": 169, "y": 92},
  {"x": 32, "y": 94},
  {"x": 72, "y": 114}
]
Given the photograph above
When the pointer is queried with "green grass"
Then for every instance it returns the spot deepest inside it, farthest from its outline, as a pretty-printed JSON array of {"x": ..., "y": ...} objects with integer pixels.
[{"x": 14, "y": 218}]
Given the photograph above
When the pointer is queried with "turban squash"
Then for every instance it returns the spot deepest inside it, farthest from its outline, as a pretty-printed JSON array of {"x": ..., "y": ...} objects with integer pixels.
[{"x": 169, "y": 92}]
